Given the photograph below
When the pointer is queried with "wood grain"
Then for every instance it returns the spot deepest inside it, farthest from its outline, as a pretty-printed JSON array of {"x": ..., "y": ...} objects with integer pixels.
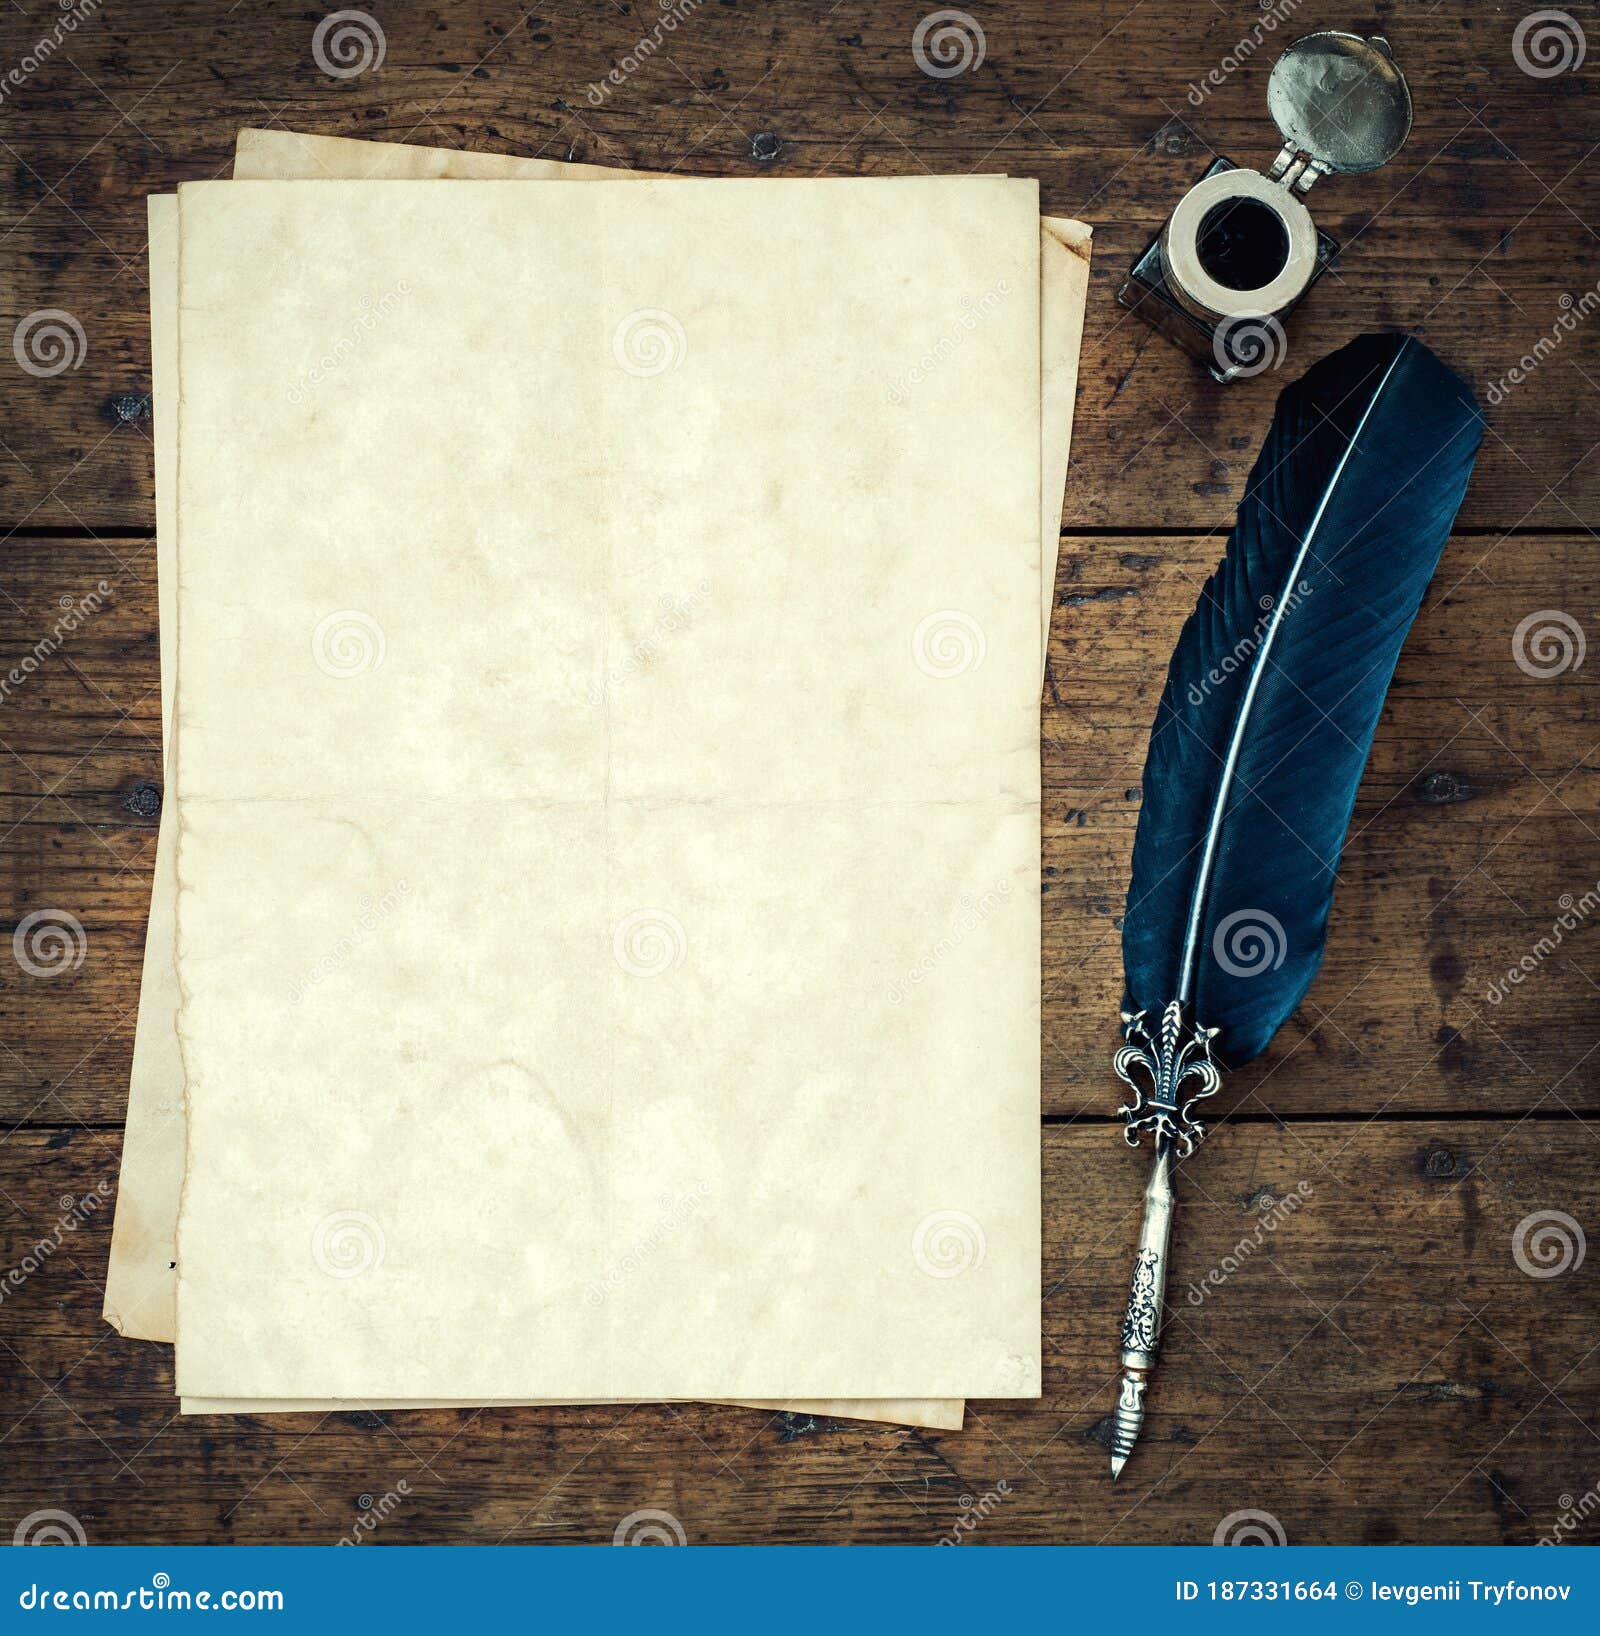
[
  {"x": 1376, "y": 1366},
  {"x": 1371, "y": 1365},
  {"x": 1479, "y": 814},
  {"x": 1470, "y": 237}
]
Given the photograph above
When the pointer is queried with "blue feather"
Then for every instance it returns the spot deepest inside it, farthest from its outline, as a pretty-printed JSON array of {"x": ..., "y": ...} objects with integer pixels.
[{"x": 1277, "y": 682}]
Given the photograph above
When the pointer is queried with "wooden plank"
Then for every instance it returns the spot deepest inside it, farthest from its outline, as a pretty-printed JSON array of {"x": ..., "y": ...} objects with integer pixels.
[
  {"x": 1479, "y": 815},
  {"x": 1370, "y": 1364},
  {"x": 1473, "y": 236}
]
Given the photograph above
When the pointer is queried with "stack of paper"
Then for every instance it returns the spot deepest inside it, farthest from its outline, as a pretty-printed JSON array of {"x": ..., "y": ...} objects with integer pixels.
[{"x": 594, "y": 946}]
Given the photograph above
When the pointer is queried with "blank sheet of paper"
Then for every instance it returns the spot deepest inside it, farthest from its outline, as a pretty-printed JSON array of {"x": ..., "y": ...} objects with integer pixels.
[{"x": 609, "y": 894}]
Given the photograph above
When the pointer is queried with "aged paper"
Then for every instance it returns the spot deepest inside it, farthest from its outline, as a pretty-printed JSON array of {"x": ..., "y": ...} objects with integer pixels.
[
  {"x": 140, "y": 1280},
  {"x": 680, "y": 798}
]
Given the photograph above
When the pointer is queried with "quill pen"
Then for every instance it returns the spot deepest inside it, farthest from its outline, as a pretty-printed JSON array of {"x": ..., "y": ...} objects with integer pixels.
[{"x": 1269, "y": 709}]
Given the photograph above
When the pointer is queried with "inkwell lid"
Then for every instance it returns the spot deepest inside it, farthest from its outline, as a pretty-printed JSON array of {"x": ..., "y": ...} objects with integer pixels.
[{"x": 1341, "y": 104}]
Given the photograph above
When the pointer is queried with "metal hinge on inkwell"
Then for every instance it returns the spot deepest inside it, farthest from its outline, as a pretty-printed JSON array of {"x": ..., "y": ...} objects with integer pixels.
[{"x": 1241, "y": 250}]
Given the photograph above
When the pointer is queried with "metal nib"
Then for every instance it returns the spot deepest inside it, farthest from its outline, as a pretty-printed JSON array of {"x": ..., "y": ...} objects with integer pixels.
[{"x": 1118, "y": 1461}]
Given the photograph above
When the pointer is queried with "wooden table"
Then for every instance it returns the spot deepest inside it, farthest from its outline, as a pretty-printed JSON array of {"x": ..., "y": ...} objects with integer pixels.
[{"x": 1374, "y": 1365}]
